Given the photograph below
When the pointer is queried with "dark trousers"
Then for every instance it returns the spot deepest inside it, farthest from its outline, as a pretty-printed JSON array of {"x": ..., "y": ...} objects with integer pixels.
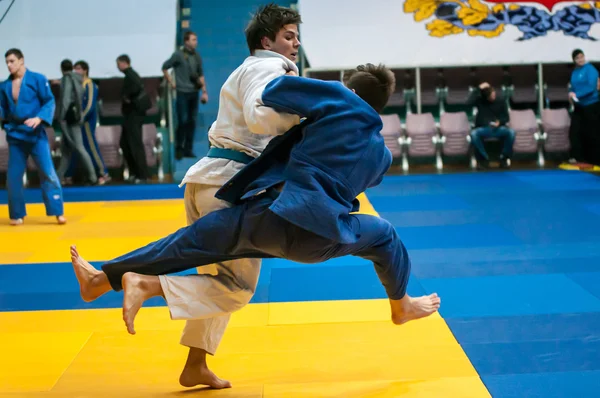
[
  {"x": 584, "y": 133},
  {"x": 133, "y": 145},
  {"x": 251, "y": 230},
  {"x": 187, "y": 113}
]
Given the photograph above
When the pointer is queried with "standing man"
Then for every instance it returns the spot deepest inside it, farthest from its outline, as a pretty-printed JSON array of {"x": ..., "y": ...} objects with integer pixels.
[
  {"x": 491, "y": 121},
  {"x": 134, "y": 107},
  {"x": 70, "y": 115},
  {"x": 189, "y": 80},
  {"x": 90, "y": 119},
  {"x": 26, "y": 107},
  {"x": 584, "y": 133}
]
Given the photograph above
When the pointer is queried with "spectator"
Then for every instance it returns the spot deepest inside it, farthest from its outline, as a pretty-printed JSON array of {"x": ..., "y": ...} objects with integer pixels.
[
  {"x": 491, "y": 121},
  {"x": 584, "y": 133},
  {"x": 88, "y": 130},
  {"x": 70, "y": 116},
  {"x": 189, "y": 80},
  {"x": 135, "y": 104}
]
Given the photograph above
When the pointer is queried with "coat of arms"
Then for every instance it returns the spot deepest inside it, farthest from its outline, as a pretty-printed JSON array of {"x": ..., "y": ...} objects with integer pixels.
[{"x": 478, "y": 18}]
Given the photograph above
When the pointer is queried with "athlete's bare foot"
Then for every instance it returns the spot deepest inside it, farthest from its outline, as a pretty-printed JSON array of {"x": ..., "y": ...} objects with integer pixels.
[
  {"x": 201, "y": 376},
  {"x": 61, "y": 220},
  {"x": 411, "y": 308},
  {"x": 137, "y": 289},
  {"x": 196, "y": 372},
  {"x": 15, "y": 222},
  {"x": 92, "y": 282}
]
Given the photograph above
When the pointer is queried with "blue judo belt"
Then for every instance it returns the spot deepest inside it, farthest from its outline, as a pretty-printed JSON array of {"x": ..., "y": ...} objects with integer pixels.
[{"x": 229, "y": 154}]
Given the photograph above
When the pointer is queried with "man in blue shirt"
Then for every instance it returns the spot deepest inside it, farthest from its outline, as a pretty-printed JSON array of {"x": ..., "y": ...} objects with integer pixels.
[
  {"x": 26, "y": 108},
  {"x": 584, "y": 132},
  {"x": 294, "y": 201}
]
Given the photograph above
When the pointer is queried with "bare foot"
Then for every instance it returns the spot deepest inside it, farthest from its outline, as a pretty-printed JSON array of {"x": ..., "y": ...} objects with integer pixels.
[
  {"x": 61, "y": 220},
  {"x": 411, "y": 308},
  {"x": 92, "y": 282},
  {"x": 137, "y": 289},
  {"x": 18, "y": 221},
  {"x": 200, "y": 375}
]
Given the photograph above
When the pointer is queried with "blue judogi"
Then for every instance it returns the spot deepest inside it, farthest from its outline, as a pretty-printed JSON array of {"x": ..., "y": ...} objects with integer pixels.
[
  {"x": 336, "y": 154},
  {"x": 35, "y": 100},
  {"x": 88, "y": 130}
]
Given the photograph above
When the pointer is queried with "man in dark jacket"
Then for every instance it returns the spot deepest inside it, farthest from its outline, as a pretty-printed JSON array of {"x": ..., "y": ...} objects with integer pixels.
[
  {"x": 491, "y": 122},
  {"x": 70, "y": 115},
  {"x": 189, "y": 80},
  {"x": 134, "y": 108}
]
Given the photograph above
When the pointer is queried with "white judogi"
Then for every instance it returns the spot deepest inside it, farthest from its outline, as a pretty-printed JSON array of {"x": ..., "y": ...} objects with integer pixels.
[{"x": 243, "y": 124}]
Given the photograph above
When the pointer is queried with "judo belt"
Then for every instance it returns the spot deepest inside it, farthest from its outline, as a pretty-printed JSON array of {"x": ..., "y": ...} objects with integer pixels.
[{"x": 229, "y": 154}]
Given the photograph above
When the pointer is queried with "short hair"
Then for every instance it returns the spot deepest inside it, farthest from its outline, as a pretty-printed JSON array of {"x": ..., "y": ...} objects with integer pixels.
[
  {"x": 188, "y": 34},
  {"x": 14, "y": 51},
  {"x": 374, "y": 84},
  {"x": 66, "y": 65},
  {"x": 487, "y": 92},
  {"x": 83, "y": 65},
  {"x": 124, "y": 58},
  {"x": 267, "y": 21},
  {"x": 575, "y": 53}
]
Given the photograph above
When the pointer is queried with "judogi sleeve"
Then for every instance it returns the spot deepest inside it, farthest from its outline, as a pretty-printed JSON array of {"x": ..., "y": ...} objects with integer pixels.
[
  {"x": 259, "y": 118},
  {"x": 3, "y": 104},
  {"x": 310, "y": 98},
  {"x": 47, "y": 101}
]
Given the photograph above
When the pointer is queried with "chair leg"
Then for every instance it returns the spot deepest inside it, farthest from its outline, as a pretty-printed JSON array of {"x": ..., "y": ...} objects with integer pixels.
[
  {"x": 540, "y": 139},
  {"x": 405, "y": 165},
  {"x": 159, "y": 158}
]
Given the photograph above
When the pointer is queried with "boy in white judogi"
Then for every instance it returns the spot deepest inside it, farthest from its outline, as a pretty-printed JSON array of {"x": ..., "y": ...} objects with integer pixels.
[{"x": 243, "y": 128}]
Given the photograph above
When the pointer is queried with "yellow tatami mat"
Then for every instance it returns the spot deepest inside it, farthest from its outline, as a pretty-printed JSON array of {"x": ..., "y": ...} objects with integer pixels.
[{"x": 265, "y": 353}]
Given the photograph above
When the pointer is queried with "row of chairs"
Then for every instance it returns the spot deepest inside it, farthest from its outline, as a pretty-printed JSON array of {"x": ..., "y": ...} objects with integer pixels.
[
  {"x": 443, "y": 88},
  {"x": 421, "y": 137},
  {"x": 108, "y": 138}
]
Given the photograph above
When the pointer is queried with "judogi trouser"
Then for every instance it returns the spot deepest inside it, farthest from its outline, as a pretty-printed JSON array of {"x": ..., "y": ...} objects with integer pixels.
[
  {"x": 207, "y": 300},
  {"x": 251, "y": 230},
  {"x": 18, "y": 152}
]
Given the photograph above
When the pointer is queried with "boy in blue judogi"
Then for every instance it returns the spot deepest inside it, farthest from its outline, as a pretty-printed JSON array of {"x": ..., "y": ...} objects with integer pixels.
[
  {"x": 294, "y": 200},
  {"x": 26, "y": 106}
]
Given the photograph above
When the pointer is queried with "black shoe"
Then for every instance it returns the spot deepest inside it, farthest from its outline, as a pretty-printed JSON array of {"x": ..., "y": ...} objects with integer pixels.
[
  {"x": 505, "y": 163},
  {"x": 179, "y": 154},
  {"x": 483, "y": 164}
]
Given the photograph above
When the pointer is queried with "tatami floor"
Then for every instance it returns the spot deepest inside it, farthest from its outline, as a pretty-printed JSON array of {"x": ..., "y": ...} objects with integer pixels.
[{"x": 515, "y": 257}]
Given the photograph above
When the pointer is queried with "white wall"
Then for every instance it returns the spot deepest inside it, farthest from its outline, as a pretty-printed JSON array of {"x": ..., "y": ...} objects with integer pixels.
[
  {"x": 340, "y": 34},
  {"x": 97, "y": 31}
]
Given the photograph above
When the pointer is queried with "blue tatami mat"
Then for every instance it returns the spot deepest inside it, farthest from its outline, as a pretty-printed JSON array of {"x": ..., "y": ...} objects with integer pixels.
[{"x": 515, "y": 257}]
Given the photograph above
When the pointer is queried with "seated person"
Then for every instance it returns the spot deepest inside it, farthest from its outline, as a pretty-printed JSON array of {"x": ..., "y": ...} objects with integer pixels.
[{"x": 491, "y": 122}]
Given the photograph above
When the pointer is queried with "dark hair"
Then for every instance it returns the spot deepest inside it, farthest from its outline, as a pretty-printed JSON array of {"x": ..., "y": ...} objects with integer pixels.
[
  {"x": 83, "y": 65},
  {"x": 267, "y": 21},
  {"x": 187, "y": 35},
  {"x": 487, "y": 92},
  {"x": 124, "y": 58},
  {"x": 575, "y": 53},
  {"x": 14, "y": 51},
  {"x": 66, "y": 65},
  {"x": 374, "y": 84}
]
